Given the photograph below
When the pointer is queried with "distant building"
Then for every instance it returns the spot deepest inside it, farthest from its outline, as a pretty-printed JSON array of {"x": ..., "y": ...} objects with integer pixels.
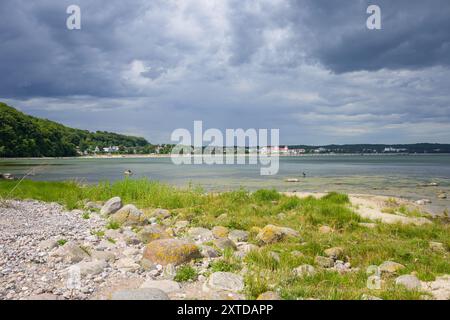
[{"x": 111, "y": 149}]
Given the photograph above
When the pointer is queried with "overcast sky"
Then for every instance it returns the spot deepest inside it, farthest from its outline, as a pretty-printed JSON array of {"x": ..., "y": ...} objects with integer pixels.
[{"x": 308, "y": 67}]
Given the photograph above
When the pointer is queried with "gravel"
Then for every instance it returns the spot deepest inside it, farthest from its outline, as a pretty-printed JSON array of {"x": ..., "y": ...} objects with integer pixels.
[{"x": 28, "y": 232}]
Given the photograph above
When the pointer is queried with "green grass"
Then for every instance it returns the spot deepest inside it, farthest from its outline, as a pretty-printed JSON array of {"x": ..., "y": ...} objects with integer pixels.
[
  {"x": 61, "y": 242},
  {"x": 185, "y": 273},
  {"x": 408, "y": 245},
  {"x": 228, "y": 263}
]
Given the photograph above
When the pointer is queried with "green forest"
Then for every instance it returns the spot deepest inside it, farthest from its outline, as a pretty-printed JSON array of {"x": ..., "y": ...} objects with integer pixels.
[{"x": 22, "y": 135}]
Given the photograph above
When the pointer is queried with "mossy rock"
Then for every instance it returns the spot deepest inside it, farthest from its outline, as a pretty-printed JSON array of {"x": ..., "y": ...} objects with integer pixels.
[
  {"x": 220, "y": 232},
  {"x": 171, "y": 251},
  {"x": 272, "y": 234},
  {"x": 153, "y": 232}
]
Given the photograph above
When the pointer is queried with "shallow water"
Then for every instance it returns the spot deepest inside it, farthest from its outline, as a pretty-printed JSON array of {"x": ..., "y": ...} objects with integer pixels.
[{"x": 392, "y": 175}]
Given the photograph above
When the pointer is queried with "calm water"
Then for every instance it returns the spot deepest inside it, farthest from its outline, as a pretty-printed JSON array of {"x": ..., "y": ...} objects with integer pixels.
[{"x": 396, "y": 175}]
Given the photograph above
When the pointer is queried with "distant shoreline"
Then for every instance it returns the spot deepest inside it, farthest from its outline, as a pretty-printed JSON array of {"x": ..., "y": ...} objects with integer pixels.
[{"x": 163, "y": 156}]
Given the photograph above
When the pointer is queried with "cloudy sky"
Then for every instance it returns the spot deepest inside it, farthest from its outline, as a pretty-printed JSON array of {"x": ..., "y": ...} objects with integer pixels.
[{"x": 308, "y": 67}]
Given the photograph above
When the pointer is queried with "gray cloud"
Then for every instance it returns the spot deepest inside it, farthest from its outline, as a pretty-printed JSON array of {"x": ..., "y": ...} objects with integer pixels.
[{"x": 310, "y": 68}]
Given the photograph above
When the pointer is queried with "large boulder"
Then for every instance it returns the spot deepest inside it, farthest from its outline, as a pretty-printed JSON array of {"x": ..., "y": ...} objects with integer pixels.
[
  {"x": 111, "y": 206},
  {"x": 225, "y": 281},
  {"x": 140, "y": 294},
  {"x": 410, "y": 282},
  {"x": 128, "y": 215},
  {"x": 170, "y": 251},
  {"x": 272, "y": 234},
  {"x": 151, "y": 233}
]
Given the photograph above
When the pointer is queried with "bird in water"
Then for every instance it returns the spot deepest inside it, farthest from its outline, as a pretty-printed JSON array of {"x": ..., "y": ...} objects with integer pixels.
[
  {"x": 128, "y": 173},
  {"x": 304, "y": 174}
]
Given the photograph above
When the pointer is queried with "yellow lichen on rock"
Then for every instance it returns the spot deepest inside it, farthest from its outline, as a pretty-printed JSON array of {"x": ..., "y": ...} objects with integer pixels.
[
  {"x": 220, "y": 232},
  {"x": 171, "y": 251}
]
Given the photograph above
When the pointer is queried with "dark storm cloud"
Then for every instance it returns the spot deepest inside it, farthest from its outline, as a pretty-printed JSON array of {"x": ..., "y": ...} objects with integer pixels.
[
  {"x": 308, "y": 67},
  {"x": 414, "y": 34}
]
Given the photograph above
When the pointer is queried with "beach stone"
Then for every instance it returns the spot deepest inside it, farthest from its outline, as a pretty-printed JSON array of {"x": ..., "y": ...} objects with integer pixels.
[
  {"x": 272, "y": 234},
  {"x": 181, "y": 224},
  {"x": 269, "y": 295},
  {"x": 111, "y": 206},
  {"x": 130, "y": 237},
  {"x": 326, "y": 229},
  {"x": 103, "y": 255},
  {"x": 247, "y": 247},
  {"x": 334, "y": 252},
  {"x": 48, "y": 244},
  {"x": 105, "y": 245},
  {"x": 304, "y": 270},
  {"x": 226, "y": 281},
  {"x": 127, "y": 264},
  {"x": 410, "y": 282},
  {"x": 324, "y": 262},
  {"x": 297, "y": 254},
  {"x": 275, "y": 256},
  {"x": 140, "y": 294},
  {"x": 201, "y": 234},
  {"x": 209, "y": 252},
  {"x": 224, "y": 243},
  {"x": 437, "y": 246},
  {"x": 168, "y": 286},
  {"x": 169, "y": 272},
  {"x": 442, "y": 196},
  {"x": 152, "y": 232},
  {"x": 161, "y": 214},
  {"x": 390, "y": 267},
  {"x": 91, "y": 267},
  {"x": 113, "y": 234},
  {"x": 238, "y": 235},
  {"x": 171, "y": 251},
  {"x": 220, "y": 232},
  {"x": 71, "y": 252},
  {"x": 93, "y": 205},
  {"x": 128, "y": 215},
  {"x": 439, "y": 288}
]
